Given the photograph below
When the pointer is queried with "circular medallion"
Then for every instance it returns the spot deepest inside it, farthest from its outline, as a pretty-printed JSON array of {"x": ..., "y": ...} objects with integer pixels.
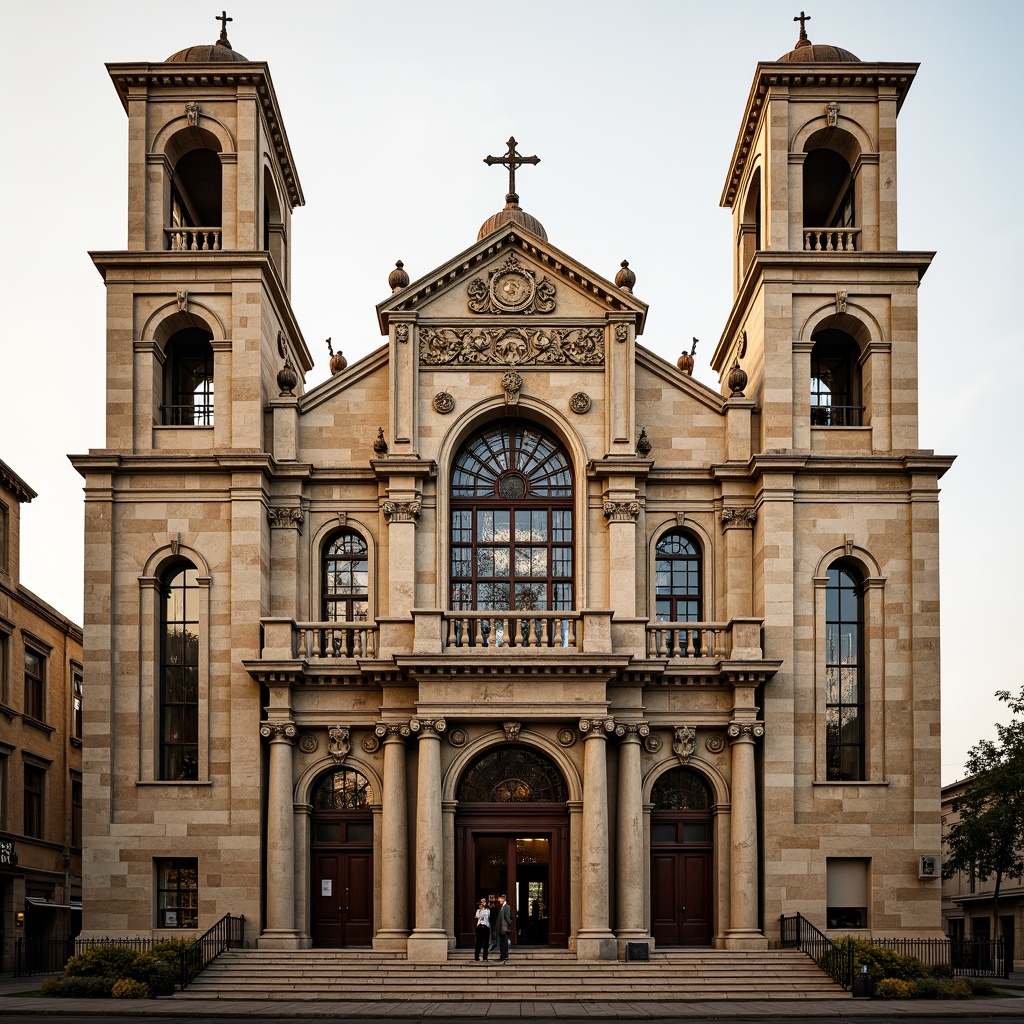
[
  {"x": 512, "y": 485},
  {"x": 370, "y": 743},
  {"x": 458, "y": 737},
  {"x": 512, "y": 290},
  {"x": 308, "y": 743},
  {"x": 715, "y": 744},
  {"x": 444, "y": 403},
  {"x": 653, "y": 744},
  {"x": 580, "y": 402},
  {"x": 567, "y": 737}
]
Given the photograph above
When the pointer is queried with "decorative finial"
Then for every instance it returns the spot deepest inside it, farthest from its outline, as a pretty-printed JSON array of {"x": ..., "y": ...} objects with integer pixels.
[
  {"x": 398, "y": 278},
  {"x": 380, "y": 446},
  {"x": 803, "y": 40},
  {"x": 223, "y": 19},
  {"x": 737, "y": 380},
  {"x": 625, "y": 278},
  {"x": 643, "y": 443},
  {"x": 338, "y": 361},
  {"x": 287, "y": 378},
  {"x": 685, "y": 360},
  {"x": 511, "y": 160}
]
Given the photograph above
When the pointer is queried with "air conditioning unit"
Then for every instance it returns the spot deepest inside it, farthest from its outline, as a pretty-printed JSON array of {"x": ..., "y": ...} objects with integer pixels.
[{"x": 929, "y": 867}]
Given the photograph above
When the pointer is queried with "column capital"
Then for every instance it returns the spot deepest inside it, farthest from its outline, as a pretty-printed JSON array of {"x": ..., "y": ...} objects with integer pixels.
[
  {"x": 285, "y": 518},
  {"x": 738, "y": 518},
  {"x": 401, "y": 511},
  {"x": 622, "y": 511},
  {"x": 745, "y": 731},
  {"x": 427, "y": 726},
  {"x": 632, "y": 732},
  {"x": 596, "y": 726},
  {"x": 278, "y": 732},
  {"x": 391, "y": 731}
]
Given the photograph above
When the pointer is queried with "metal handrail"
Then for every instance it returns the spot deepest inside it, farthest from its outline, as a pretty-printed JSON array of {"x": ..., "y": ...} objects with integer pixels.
[
  {"x": 227, "y": 933},
  {"x": 835, "y": 960}
]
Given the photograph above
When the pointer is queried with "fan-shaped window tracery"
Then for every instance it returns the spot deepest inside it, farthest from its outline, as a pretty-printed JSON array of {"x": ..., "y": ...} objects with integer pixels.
[
  {"x": 512, "y": 775},
  {"x": 343, "y": 790}
]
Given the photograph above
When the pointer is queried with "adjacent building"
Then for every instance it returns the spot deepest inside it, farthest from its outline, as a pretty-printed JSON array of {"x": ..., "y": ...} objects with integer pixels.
[
  {"x": 41, "y": 691},
  {"x": 512, "y": 604}
]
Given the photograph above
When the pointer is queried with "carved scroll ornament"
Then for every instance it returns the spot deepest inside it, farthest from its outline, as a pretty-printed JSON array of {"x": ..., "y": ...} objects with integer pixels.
[
  {"x": 622, "y": 511},
  {"x": 683, "y": 741},
  {"x": 284, "y": 518},
  {"x": 401, "y": 511},
  {"x": 512, "y": 288},
  {"x": 744, "y": 518},
  {"x": 511, "y": 346}
]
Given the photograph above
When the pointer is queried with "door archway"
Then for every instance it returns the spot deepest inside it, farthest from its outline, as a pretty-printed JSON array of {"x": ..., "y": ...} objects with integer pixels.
[
  {"x": 682, "y": 855},
  {"x": 341, "y": 860},
  {"x": 512, "y": 837}
]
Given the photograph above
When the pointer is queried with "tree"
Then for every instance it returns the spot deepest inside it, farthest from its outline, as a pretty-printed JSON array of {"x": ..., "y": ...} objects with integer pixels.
[{"x": 988, "y": 838}]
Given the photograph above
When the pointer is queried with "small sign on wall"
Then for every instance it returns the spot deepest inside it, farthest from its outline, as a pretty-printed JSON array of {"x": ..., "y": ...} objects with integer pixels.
[{"x": 326, "y": 886}]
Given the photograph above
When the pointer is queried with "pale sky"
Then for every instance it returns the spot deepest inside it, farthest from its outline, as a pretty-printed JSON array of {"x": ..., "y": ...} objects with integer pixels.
[{"x": 390, "y": 108}]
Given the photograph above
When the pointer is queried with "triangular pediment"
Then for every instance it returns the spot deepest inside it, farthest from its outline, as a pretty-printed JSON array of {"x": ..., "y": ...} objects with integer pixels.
[{"x": 513, "y": 274}]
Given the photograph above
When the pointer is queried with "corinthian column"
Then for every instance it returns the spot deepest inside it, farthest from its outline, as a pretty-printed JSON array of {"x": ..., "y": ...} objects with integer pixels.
[
  {"x": 743, "y": 931},
  {"x": 595, "y": 940},
  {"x": 630, "y": 839},
  {"x": 394, "y": 842},
  {"x": 280, "y": 932},
  {"x": 429, "y": 941}
]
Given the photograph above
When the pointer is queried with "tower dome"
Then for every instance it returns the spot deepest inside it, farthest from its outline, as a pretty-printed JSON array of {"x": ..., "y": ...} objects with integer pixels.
[
  {"x": 821, "y": 53},
  {"x": 218, "y": 52},
  {"x": 512, "y": 214}
]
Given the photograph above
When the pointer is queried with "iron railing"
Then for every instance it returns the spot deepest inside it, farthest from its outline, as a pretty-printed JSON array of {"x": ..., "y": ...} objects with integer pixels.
[
  {"x": 971, "y": 958},
  {"x": 835, "y": 960},
  {"x": 41, "y": 956}
]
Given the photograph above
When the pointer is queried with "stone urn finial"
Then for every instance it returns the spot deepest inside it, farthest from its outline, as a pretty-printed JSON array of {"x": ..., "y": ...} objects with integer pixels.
[
  {"x": 643, "y": 443},
  {"x": 380, "y": 446},
  {"x": 685, "y": 360},
  {"x": 737, "y": 380},
  {"x": 398, "y": 278},
  {"x": 625, "y": 278},
  {"x": 338, "y": 361},
  {"x": 287, "y": 378}
]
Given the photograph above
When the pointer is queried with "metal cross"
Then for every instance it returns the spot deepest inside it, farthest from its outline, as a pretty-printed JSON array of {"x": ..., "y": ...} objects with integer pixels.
[
  {"x": 224, "y": 19},
  {"x": 511, "y": 160},
  {"x": 803, "y": 18}
]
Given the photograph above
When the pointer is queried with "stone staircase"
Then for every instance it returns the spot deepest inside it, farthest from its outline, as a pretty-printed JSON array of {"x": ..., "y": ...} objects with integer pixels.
[{"x": 544, "y": 975}]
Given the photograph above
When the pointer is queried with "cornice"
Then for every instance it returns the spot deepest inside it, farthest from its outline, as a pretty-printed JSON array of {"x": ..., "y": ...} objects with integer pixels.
[{"x": 10, "y": 481}]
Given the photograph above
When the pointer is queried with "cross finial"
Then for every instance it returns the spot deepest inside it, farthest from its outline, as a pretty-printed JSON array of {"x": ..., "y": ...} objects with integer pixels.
[
  {"x": 223, "y": 19},
  {"x": 511, "y": 160},
  {"x": 803, "y": 31}
]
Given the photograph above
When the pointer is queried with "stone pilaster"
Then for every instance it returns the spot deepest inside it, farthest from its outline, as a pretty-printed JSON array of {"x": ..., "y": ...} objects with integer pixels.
[
  {"x": 743, "y": 931},
  {"x": 394, "y": 870},
  {"x": 630, "y": 867},
  {"x": 595, "y": 940},
  {"x": 280, "y": 932},
  {"x": 429, "y": 941},
  {"x": 448, "y": 833}
]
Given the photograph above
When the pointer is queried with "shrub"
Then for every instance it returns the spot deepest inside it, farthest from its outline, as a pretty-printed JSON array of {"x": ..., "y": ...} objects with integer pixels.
[
  {"x": 172, "y": 951},
  {"x": 883, "y": 963},
  {"x": 129, "y": 988},
  {"x": 112, "y": 962},
  {"x": 942, "y": 971},
  {"x": 956, "y": 988},
  {"x": 979, "y": 986},
  {"x": 64, "y": 986},
  {"x": 929, "y": 988},
  {"x": 894, "y": 988}
]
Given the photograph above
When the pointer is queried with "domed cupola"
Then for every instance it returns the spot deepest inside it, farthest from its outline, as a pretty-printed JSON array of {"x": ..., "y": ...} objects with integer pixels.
[
  {"x": 815, "y": 53},
  {"x": 218, "y": 52},
  {"x": 512, "y": 212}
]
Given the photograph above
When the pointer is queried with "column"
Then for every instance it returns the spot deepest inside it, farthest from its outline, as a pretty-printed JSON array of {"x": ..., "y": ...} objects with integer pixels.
[
  {"x": 743, "y": 931},
  {"x": 595, "y": 940},
  {"x": 280, "y": 932},
  {"x": 630, "y": 839},
  {"x": 394, "y": 872},
  {"x": 429, "y": 941}
]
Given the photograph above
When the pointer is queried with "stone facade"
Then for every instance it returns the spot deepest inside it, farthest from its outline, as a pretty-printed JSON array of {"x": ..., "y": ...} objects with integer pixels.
[
  {"x": 721, "y": 733},
  {"x": 41, "y": 692}
]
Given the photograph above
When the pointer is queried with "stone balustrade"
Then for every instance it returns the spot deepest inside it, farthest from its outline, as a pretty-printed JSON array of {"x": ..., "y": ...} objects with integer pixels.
[
  {"x": 332, "y": 640},
  {"x": 491, "y": 629},
  {"x": 193, "y": 239},
  {"x": 739, "y": 639},
  {"x": 830, "y": 239}
]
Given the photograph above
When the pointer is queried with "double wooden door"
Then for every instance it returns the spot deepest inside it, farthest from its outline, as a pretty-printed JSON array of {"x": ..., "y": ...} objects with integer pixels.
[
  {"x": 681, "y": 897},
  {"x": 341, "y": 904}
]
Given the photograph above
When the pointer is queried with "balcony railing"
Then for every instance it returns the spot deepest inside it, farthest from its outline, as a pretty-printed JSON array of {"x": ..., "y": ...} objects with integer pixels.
[
  {"x": 836, "y": 415},
  {"x": 523, "y": 629},
  {"x": 192, "y": 239},
  {"x": 689, "y": 640},
  {"x": 830, "y": 239},
  {"x": 317, "y": 641}
]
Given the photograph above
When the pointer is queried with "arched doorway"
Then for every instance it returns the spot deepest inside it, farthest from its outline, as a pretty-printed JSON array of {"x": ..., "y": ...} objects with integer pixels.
[
  {"x": 681, "y": 860},
  {"x": 341, "y": 860},
  {"x": 512, "y": 837}
]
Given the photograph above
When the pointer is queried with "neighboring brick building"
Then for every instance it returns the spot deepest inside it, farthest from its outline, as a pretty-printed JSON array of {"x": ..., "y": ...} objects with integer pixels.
[
  {"x": 40, "y": 750},
  {"x": 512, "y": 603}
]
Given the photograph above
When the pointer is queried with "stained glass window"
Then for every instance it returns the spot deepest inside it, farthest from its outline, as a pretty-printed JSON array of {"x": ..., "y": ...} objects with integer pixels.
[
  {"x": 512, "y": 775},
  {"x": 342, "y": 790}
]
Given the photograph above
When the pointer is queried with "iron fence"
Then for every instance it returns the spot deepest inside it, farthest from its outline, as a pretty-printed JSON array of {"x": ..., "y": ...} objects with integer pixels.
[{"x": 41, "y": 956}]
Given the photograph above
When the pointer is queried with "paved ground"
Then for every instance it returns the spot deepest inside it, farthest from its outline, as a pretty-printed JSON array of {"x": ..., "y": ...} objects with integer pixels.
[{"x": 15, "y": 1008}]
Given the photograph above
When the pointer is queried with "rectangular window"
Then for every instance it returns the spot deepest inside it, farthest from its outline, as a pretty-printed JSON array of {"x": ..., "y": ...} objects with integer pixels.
[
  {"x": 76, "y": 705},
  {"x": 35, "y": 685},
  {"x": 35, "y": 781},
  {"x": 847, "y": 884},
  {"x": 5, "y": 526},
  {"x": 76, "y": 813},
  {"x": 177, "y": 892},
  {"x": 5, "y": 683}
]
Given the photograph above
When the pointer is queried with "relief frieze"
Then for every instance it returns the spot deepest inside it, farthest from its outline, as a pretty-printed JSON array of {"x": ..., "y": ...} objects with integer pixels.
[
  {"x": 512, "y": 288},
  {"x": 511, "y": 346}
]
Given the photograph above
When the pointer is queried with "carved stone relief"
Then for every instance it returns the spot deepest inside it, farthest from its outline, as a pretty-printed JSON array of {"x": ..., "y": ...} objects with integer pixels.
[
  {"x": 622, "y": 511},
  {"x": 401, "y": 511},
  {"x": 579, "y": 402},
  {"x": 512, "y": 288},
  {"x": 339, "y": 742},
  {"x": 743, "y": 518},
  {"x": 444, "y": 403},
  {"x": 683, "y": 741},
  {"x": 284, "y": 518},
  {"x": 511, "y": 346}
]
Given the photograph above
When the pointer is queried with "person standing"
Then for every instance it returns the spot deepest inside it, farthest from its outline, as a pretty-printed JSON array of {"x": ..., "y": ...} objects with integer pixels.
[
  {"x": 504, "y": 928},
  {"x": 483, "y": 930}
]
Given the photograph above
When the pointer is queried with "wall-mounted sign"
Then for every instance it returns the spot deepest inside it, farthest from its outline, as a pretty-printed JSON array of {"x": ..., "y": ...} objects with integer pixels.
[
  {"x": 326, "y": 886},
  {"x": 7, "y": 854}
]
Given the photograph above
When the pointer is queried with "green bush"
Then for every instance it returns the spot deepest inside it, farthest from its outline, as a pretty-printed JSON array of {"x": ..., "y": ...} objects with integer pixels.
[
  {"x": 956, "y": 988},
  {"x": 894, "y": 988},
  {"x": 884, "y": 963},
  {"x": 129, "y": 988},
  {"x": 929, "y": 988},
  {"x": 979, "y": 986},
  {"x": 64, "y": 986},
  {"x": 172, "y": 951},
  {"x": 942, "y": 971},
  {"x": 112, "y": 962}
]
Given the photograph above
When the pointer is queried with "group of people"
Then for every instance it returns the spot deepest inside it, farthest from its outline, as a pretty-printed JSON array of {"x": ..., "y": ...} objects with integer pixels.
[{"x": 502, "y": 926}]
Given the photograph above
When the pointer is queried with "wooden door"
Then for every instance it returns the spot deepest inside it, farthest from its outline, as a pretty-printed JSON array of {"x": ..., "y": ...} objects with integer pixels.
[
  {"x": 341, "y": 907},
  {"x": 681, "y": 897}
]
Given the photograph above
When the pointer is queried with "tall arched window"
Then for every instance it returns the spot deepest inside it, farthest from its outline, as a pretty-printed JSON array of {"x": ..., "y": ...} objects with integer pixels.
[
  {"x": 677, "y": 578},
  {"x": 835, "y": 380},
  {"x": 188, "y": 379},
  {"x": 844, "y": 674},
  {"x": 512, "y": 521},
  {"x": 345, "y": 580},
  {"x": 179, "y": 673}
]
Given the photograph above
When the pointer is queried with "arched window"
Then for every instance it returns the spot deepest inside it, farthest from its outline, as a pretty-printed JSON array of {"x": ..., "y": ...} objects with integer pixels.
[
  {"x": 512, "y": 521},
  {"x": 677, "y": 578},
  {"x": 512, "y": 775},
  {"x": 835, "y": 380},
  {"x": 344, "y": 789},
  {"x": 188, "y": 379},
  {"x": 179, "y": 673},
  {"x": 195, "y": 214},
  {"x": 844, "y": 674},
  {"x": 681, "y": 789},
  {"x": 341, "y": 814},
  {"x": 345, "y": 580}
]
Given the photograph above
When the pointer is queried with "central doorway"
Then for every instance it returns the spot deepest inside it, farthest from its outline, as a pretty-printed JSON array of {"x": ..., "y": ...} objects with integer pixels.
[{"x": 512, "y": 833}]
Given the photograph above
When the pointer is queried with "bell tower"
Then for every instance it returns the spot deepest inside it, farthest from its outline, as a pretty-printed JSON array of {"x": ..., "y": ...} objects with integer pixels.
[{"x": 824, "y": 318}]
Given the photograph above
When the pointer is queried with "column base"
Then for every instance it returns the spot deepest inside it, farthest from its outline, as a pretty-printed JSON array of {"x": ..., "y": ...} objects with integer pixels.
[
  {"x": 427, "y": 946},
  {"x": 596, "y": 944},
  {"x": 744, "y": 938},
  {"x": 283, "y": 938},
  {"x": 391, "y": 940}
]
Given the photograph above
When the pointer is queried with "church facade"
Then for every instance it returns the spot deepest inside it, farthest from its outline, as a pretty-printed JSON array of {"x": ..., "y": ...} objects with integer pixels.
[{"x": 511, "y": 605}]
